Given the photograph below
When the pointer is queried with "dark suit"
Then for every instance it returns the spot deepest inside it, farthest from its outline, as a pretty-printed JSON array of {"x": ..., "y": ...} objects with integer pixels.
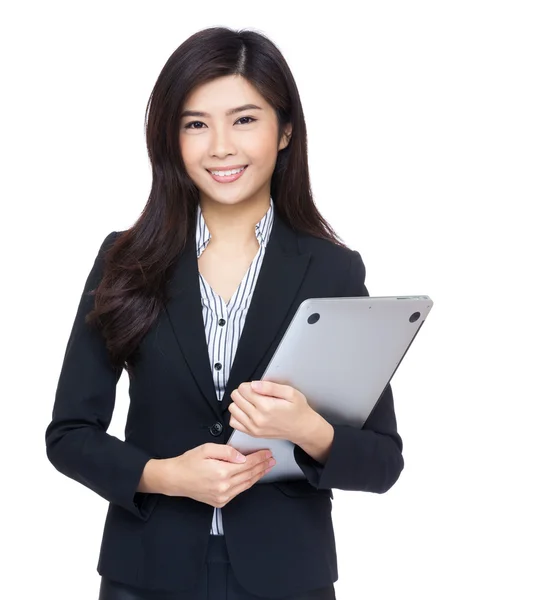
[{"x": 279, "y": 535}]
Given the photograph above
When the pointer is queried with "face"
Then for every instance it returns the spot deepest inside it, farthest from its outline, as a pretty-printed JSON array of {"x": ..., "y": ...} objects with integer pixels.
[{"x": 214, "y": 139}]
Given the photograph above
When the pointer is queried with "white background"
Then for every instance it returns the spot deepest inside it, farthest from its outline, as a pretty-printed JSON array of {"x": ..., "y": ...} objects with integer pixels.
[{"x": 426, "y": 141}]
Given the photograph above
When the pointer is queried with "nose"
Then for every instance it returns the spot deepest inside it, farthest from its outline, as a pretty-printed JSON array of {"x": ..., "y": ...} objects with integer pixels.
[{"x": 221, "y": 143}]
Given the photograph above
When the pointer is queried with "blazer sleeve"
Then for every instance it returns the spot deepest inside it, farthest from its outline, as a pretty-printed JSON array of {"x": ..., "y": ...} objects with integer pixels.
[
  {"x": 368, "y": 459},
  {"x": 76, "y": 440}
]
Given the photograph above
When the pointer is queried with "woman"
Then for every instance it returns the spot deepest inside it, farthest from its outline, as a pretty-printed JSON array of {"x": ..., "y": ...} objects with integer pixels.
[{"x": 192, "y": 301}]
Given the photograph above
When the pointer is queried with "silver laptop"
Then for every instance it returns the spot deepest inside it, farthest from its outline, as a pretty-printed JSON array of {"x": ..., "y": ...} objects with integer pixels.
[{"x": 340, "y": 353}]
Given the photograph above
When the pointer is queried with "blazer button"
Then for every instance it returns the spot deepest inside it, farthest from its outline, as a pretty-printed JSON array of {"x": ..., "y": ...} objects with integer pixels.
[{"x": 216, "y": 429}]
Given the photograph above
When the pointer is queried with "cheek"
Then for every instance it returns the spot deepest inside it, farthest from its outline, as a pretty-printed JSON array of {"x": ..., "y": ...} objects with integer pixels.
[
  {"x": 262, "y": 152},
  {"x": 190, "y": 157},
  {"x": 185, "y": 151}
]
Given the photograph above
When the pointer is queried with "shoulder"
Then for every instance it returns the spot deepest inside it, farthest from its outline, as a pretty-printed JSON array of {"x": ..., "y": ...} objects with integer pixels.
[
  {"x": 340, "y": 261},
  {"x": 109, "y": 239},
  {"x": 106, "y": 244},
  {"x": 99, "y": 260},
  {"x": 340, "y": 256}
]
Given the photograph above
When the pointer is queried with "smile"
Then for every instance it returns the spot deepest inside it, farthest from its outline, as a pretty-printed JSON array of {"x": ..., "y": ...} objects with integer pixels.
[{"x": 227, "y": 176}]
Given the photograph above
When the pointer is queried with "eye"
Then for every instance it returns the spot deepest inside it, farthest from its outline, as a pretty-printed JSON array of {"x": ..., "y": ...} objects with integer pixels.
[{"x": 188, "y": 126}]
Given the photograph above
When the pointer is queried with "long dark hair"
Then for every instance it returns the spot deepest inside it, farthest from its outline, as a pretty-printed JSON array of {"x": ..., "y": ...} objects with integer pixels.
[{"x": 131, "y": 293}]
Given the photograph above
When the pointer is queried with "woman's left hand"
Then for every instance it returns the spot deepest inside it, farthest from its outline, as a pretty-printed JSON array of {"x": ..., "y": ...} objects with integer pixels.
[{"x": 274, "y": 411}]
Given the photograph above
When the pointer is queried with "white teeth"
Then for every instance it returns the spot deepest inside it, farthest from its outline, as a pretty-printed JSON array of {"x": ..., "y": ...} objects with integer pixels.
[{"x": 226, "y": 173}]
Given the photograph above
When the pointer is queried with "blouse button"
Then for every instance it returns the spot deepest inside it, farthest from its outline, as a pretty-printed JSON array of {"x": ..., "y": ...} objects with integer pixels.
[
  {"x": 222, "y": 322},
  {"x": 216, "y": 429},
  {"x": 217, "y": 366}
]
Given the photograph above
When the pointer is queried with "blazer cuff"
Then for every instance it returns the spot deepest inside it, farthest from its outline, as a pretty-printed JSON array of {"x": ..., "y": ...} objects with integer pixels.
[
  {"x": 125, "y": 493},
  {"x": 358, "y": 460},
  {"x": 112, "y": 469},
  {"x": 311, "y": 468}
]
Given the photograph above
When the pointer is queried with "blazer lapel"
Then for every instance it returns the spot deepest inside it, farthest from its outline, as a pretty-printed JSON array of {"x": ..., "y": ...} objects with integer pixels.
[{"x": 282, "y": 273}]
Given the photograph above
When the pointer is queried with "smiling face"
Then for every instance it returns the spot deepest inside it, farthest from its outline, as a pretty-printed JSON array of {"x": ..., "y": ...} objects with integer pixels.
[{"x": 212, "y": 137}]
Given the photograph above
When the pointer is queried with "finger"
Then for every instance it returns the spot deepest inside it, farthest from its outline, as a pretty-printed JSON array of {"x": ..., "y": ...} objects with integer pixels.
[
  {"x": 270, "y": 388},
  {"x": 262, "y": 403},
  {"x": 245, "y": 404},
  {"x": 235, "y": 424},
  {"x": 247, "y": 478}
]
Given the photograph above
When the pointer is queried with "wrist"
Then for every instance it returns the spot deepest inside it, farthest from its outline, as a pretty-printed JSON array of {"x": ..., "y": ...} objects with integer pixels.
[
  {"x": 316, "y": 438},
  {"x": 153, "y": 479},
  {"x": 311, "y": 424}
]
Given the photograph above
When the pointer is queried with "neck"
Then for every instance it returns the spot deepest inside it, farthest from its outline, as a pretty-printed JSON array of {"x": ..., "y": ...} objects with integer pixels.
[{"x": 232, "y": 226}]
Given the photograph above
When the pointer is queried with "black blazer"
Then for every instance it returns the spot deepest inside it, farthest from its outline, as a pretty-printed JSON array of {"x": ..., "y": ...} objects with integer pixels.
[{"x": 279, "y": 536}]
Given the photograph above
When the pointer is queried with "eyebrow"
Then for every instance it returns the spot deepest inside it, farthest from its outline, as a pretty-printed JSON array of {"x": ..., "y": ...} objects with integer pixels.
[{"x": 232, "y": 111}]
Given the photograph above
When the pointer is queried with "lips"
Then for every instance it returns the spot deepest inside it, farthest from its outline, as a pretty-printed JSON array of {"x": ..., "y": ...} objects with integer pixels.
[
  {"x": 231, "y": 168},
  {"x": 227, "y": 178}
]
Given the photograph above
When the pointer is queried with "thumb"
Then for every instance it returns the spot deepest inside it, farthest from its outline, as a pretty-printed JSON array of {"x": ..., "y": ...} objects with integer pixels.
[
  {"x": 224, "y": 452},
  {"x": 235, "y": 456}
]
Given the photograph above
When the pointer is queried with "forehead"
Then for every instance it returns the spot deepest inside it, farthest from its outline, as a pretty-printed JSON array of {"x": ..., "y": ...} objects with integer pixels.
[{"x": 224, "y": 93}]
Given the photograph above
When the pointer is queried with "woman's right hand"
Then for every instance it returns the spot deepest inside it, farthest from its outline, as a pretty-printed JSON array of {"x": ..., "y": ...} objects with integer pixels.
[{"x": 211, "y": 473}]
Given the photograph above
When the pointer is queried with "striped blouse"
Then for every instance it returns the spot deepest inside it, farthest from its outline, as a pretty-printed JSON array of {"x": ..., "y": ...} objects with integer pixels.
[{"x": 224, "y": 322}]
